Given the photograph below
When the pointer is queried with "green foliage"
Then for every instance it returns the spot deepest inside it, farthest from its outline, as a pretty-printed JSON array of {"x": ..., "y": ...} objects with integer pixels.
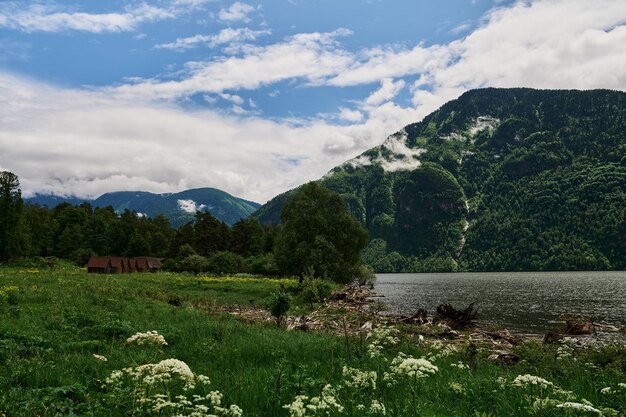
[
  {"x": 225, "y": 263},
  {"x": 263, "y": 264},
  {"x": 13, "y": 231},
  {"x": 278, "y": 304},
  {"x": 366, "y": 276},
  {"x": 313, "y": 290},
  {"x": 319, "y": 232},
  {"x": 193, "y": 263}
]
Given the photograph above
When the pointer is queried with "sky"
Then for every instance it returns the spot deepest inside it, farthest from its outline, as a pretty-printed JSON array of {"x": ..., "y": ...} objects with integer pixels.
[{"x": 258, "y": 97}]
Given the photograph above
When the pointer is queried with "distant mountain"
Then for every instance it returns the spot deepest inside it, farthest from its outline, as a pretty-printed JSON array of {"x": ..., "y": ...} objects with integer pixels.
[
  {"x": 179, "y": 208},
  {"x": 498, "y": 179}
]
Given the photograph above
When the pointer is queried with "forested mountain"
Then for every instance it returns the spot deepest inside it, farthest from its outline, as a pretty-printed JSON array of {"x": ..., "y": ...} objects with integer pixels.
[
  {"x": 178, "y": 208},
  {"x": 498, "y": 179}
]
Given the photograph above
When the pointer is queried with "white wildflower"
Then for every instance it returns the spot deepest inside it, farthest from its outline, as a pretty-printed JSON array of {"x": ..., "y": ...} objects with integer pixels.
[
  {"x": 377, "y": 408},
  {"x": 564, "y": 352},
  {"x": 621, "y": 385},
  {"x": 531, "y": 380},
  {"x": 355, "y": 378},
  {"x": 579, "y": 407},
  {"x": 100, "y": 357},
  {"x": 460, "y": 365},
  {"x": 324, "y": 405},
  {"x": 151, "y": 337},
  {"x": 502, "y": 382},
  {"x": 298, "y": 407},
  {"x": 607, "y": 390},
  {"x": 411, "y": 367}
]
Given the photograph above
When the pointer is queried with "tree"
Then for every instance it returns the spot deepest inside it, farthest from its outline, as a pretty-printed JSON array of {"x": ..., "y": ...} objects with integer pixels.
[
  {"x": 246, "y": 237},
  {"x": 10, "y": 209},
  {"x": 319, "y": 232},
  {"x": 210, "y": 234}
]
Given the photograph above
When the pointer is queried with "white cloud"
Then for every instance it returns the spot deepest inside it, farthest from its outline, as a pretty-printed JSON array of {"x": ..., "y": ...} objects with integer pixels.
[
  {"x": 225, "y": 36},
  {"x": 350, "y": 115},
  {"x": 234, "y": 98},
  {"x": 190, "y": 206},
  {"x": 236, "y": 12},
  {"x": 388, "y": 91},
  {"x": 311, "y": 57},
  {"x": 84, "y": 142},
  {"x": 50, "y": 18}
]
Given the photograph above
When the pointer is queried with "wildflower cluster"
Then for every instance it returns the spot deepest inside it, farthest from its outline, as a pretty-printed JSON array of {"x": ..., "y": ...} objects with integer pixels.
[
  {"x": 357, "y": 379},
  {"x": 381, "y": 338},
  {"x": 165, "y": 372},
  {"x": 579, "y": 407},
  {"x": 375, "y": 408},
  {"x": 405, "y": 366},
  {"x": 560, "y": 398},
  {"x": 324, "y": 405},
  {"x": 609, "y": 390},
  {"x": 151, "y": 337},
  {"x": 156, "y": 384},
  {"x": 441, "y": 350},
  {"x": 8, "y": 292},
  {"x": 531, "y": 380},
  {"x": 100, "y": 357},
  {"x": 459, "y": 365}
]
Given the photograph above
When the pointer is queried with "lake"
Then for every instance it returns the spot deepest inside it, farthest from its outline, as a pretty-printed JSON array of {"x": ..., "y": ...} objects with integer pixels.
[{"x": 529, "y": 302}]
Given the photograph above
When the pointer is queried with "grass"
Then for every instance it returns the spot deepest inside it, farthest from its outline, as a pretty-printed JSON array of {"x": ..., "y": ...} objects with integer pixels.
[{"x": 56, "y": 319}]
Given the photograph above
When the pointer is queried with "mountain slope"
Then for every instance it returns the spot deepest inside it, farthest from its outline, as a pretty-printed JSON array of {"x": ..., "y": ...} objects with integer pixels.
[
  {"x": 179, "y": 208},
  {"x": 499, "y": 179}
]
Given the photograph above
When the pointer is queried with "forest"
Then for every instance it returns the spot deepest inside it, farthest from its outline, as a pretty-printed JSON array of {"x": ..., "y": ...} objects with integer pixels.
[{"x": 318, "y": 236}]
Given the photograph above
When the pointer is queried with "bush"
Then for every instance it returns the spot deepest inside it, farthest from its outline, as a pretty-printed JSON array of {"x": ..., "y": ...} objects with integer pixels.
[
  {"x": 278, "y": 305},
  {"x": 313, "y": 290},
  {"x": 225, "y": 263},
  {"x": 264, "y": 264},
  {"x": 366, "y": 276},
  {"x": 193, "y": 263}
]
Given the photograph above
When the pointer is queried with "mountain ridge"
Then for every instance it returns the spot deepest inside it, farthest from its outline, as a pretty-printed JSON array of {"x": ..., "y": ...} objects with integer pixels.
[
  {"x": 497, "y": 179},
  {"x": 179, "y": 207}
]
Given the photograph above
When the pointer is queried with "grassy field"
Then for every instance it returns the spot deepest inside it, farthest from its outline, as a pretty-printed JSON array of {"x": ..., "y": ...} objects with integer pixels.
[{"x": 59, "y": 325}]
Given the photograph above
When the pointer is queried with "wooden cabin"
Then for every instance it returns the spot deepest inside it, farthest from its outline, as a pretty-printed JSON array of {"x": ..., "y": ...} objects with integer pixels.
[
  {"x": 122, "y": 265},
  {"x": 99, "y": 265}
]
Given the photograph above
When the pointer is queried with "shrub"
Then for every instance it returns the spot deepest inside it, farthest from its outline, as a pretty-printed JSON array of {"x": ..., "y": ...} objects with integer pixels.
[
  {"x": 278, "y": 305},
  {"x": 366, "y": 276},
  {"x": 225, "y": 263},
  {"x": 313, "y": 290},
  {"x": 263, "y": 264},
  {"x": 193, "y": 263}
]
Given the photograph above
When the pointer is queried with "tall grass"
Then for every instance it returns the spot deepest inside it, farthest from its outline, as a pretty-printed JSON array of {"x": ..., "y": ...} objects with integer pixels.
[{"x": 56, "y": 320}]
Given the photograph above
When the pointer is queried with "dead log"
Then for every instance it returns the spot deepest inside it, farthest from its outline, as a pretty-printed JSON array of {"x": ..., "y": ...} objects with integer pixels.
[{"x": 456, "y": 319}]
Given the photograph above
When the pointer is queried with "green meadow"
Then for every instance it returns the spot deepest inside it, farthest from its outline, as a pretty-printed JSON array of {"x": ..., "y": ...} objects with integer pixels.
[{"x": 69, "y": 347}]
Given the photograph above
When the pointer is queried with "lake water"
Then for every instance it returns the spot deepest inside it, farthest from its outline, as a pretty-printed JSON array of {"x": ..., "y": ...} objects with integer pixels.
[{"x": 528, "y": 302}]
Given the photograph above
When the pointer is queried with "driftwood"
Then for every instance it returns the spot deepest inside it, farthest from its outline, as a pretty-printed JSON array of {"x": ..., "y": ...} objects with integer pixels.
[
  {"x": 456, "y": 319},
  {"x": 505, "y": 357},
  {"x": 576, "y": 325},
  {"x": 420, "y": 317}
]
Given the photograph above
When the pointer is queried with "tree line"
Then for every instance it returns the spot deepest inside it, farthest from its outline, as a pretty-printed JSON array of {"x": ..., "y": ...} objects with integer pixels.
[{"x": 318, "y": 236}]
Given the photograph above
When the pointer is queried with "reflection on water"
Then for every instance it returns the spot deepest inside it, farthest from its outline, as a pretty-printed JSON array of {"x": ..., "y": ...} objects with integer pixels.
[{"x": 521, "y": 301}]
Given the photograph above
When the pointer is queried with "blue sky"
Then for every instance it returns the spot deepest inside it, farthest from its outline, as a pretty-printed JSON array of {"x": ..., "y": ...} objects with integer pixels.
[{"x": 258, "y": 97}]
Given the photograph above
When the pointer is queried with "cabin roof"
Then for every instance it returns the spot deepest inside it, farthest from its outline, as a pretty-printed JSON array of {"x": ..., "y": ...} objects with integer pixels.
[{"x": 98, "y": 262}]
